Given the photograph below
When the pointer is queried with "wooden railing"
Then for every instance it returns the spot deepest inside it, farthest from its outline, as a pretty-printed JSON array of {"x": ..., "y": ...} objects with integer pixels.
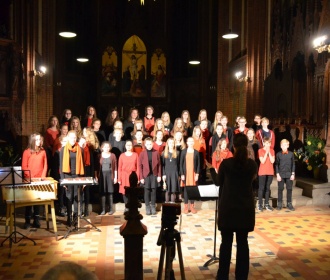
[{"x": 301, "y": 131}]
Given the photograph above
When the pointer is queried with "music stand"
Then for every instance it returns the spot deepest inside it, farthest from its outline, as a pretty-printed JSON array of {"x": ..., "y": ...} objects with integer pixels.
[
  {"x": 79, "y": 182},
  {"x": 18, "y": 177},
  {"x": 204, "y": 193}
]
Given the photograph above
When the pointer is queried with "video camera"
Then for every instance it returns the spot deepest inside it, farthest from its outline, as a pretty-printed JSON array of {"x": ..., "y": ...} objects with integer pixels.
[{"x": 170, "y": 213}]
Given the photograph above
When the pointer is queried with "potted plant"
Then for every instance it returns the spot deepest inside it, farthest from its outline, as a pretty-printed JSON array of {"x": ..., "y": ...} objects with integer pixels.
[
  {"x": 312, "y": 155},
  {"x": 7, "y": 155}
]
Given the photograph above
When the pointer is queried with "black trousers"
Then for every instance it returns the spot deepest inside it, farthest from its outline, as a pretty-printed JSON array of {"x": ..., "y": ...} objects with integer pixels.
[
  {"x": 289, "y": 184},
  {"x": 28, "y": 211},
  {"x": 185, "y": 196},
  {"x": 71, "y": 197},
  {"x": 60, "y": 196},
  {"x": 264, "y": 187},
  {"x": 150, "y": 188},
  {"x": 242, "y": 254}
]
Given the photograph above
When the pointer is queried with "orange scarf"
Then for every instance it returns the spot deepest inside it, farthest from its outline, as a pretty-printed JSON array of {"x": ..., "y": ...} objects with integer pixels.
[{"x": 66, "y": 159}]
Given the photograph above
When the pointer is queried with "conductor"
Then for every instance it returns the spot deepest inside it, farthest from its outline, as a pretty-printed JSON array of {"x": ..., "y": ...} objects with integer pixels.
[{"x": 236, "y": 207}]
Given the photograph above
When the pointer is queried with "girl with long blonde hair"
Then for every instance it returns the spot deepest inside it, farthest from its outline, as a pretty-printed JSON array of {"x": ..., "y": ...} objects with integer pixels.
[
  {"x": 170, "y": 163},
  {"x": 217, "y": 119},
  {"x": 178, "y": 126},
  {"x": 187, "y": 123},
  {"x": 76, "y": 126},
  {"x": 168, "y": 126}
]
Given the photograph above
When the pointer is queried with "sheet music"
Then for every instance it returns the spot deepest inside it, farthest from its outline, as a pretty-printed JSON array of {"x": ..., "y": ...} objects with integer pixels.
[
  {"x": 208, "y": 190},
  {"x": 6, "y": 177}
]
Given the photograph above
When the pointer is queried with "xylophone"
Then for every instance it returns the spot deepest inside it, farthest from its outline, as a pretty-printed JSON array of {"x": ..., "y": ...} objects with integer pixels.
[
  {"x": 38, "y": 192},
  {"x": 39, "y": 189}
]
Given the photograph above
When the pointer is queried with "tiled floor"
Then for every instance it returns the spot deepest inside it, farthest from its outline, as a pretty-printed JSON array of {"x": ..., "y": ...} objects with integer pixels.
[{"x": 284, "y": 245}]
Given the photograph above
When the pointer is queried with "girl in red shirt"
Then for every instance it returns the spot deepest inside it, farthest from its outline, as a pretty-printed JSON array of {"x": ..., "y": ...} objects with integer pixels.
[
  {"x": 34, "y": 160},
  {"x": 221, "y": 152},
  {"x": 159, "y": 144},
  {"x": 266, "y": 173},
  {"x": 128, "y": 162},
  {"x": 51, "y": 135},
  {"x": 149, "y": 119},
  {"x": 90, "y": 116},
  {"x": 52, "y": 132}
]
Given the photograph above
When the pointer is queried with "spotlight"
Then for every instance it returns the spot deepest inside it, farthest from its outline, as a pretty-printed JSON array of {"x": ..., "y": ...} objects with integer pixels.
[{"x": 41, "y": 72}]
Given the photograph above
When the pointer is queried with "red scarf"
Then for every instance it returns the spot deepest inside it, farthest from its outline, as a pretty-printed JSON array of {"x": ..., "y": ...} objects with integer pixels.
[{"x": 87, "y": 156}]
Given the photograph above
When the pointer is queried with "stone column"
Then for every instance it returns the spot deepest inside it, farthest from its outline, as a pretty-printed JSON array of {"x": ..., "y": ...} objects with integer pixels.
[{"x": 133, "y": 232}]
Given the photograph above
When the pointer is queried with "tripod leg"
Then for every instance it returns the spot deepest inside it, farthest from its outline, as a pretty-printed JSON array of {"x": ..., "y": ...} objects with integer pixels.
[
  {"x": 168, "y": 262},
  {"x": 183, "y": 277},
  {"x": 94, "y": 226},
  {"x": 161, "y": 262}
]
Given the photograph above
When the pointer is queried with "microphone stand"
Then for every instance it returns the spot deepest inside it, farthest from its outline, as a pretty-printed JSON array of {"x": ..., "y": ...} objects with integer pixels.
[
  {"x": 13, "y": 237},
  {"x": 213, "y": 258}
]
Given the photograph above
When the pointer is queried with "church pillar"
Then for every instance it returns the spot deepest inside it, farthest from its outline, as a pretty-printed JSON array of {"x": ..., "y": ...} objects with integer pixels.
[{"x": 327, "y": 124}]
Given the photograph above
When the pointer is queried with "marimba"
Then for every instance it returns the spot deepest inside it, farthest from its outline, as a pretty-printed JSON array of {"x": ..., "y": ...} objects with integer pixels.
[{"x": 38, "y": 192}]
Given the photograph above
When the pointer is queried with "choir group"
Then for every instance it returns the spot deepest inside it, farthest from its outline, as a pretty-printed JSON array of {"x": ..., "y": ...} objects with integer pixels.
[{"x": 165, "y": 155}]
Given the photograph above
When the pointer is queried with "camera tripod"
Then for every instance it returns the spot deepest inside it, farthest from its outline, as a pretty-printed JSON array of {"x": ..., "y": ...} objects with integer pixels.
[{"x": 167, "y": 239}]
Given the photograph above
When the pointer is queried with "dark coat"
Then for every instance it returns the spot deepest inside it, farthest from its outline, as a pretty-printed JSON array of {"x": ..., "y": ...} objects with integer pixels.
[
  {"x": 236, "y": 198},
  {"x": 72, "y": 163},
  {"x": 144, "y": 164},
  {"x": 197, "y": 162}
]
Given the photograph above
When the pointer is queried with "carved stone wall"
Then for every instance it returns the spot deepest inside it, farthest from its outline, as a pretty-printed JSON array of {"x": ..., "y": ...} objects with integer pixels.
[{"x": 294, "y": 26}]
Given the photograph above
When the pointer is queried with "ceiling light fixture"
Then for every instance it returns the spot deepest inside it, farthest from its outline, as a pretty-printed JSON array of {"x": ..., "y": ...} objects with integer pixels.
[
  {"x": 82, "y": 59},
  {"x": 67, "y": 34},
  {"x": 142, "y": 2},
  {"x": 321, "y": 44},
  {"x": 240, "y": 78},
  {"x": 230, "y": 35},
  {"x": 41, "y": 72},
  {"x": 194, "y": 62}
]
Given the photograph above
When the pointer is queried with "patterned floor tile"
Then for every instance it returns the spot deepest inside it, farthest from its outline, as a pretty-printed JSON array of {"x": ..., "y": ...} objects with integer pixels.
[{"x": 285, "y": 245}]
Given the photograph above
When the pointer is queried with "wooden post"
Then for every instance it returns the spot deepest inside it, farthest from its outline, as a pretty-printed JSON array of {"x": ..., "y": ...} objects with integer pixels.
[{"x": 133, "y": 232}]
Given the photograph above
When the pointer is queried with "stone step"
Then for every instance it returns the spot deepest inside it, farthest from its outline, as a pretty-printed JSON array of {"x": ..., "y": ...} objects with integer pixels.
[{"x": 318, "y": 190}]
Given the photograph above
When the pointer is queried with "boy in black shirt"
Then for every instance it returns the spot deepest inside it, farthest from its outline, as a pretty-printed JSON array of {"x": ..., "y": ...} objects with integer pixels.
[{"x": 285, "y": 167}]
